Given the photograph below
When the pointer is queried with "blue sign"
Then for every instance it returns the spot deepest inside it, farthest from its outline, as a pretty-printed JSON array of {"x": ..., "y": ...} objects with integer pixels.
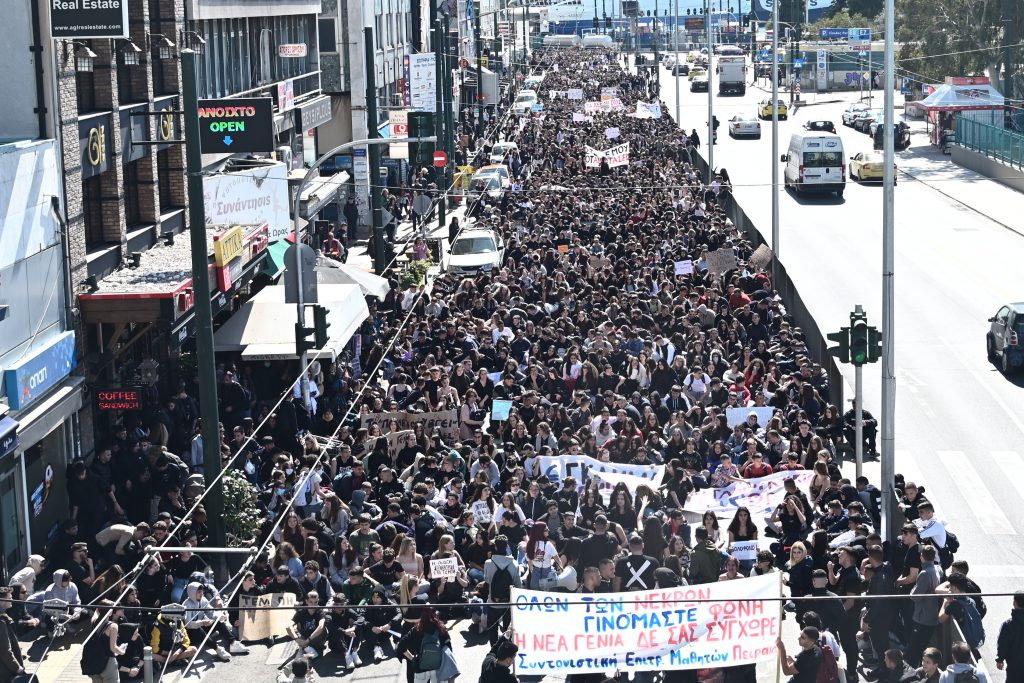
[
  {"x": 31, "y": 377},
  {"x": 538, "y": 107},
  {"x": 798, "y": 63},
  {"x": 853, "y": 34}
]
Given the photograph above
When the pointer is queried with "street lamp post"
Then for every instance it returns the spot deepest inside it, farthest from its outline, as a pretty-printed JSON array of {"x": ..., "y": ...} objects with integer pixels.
[
  {"x": 775, "y": 132},
  {"x": 889, "y": 517},
  {"x": 711, "y": 102}
]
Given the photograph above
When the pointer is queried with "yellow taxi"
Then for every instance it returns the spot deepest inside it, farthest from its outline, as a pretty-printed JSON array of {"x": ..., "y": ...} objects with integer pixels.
[
  {"x": 866, "y": 166},
  {"x": 693, "y": 56},
  {"x": 697, "y": 71},
  {"x": 764, "y": 109}
]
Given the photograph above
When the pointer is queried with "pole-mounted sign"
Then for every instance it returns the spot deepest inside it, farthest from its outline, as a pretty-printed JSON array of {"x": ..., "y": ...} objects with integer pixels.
[
  {"x": 89, "y": 18},
  {"x": 236, "y": 125}
]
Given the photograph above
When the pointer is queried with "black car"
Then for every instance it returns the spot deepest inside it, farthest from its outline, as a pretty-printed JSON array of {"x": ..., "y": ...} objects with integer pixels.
[
  {"x": 681, "y": 69},
  {"x": 699, "y": 84},
  {"x": 824, "y": 126}
]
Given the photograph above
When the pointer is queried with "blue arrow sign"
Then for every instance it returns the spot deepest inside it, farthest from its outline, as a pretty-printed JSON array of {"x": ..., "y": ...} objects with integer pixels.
[{"x": 228, "y": 140}]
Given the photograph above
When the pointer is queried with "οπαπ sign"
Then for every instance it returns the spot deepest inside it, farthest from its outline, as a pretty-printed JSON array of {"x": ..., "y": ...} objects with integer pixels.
[
  {"x": 89, "y": 18},
  {"x": 236, "y": 125}
]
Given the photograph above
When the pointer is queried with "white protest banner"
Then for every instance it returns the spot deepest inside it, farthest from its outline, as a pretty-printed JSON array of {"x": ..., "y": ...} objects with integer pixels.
[
  {"x": 611, "y": 133},
  {"x": 444, "y": 568},
  {"x": 396, "y": 440},
  {"x": 690, "y": 627},
  {"x": 581, "y": 118},
  {"x": 736, "y": 416},
  {"x": 592, "y": 157},
  {"x": 615, "y": 104},
  {"x": 482, "y": 512},
  {"x": 608, "y": 93},
  {"x": 721, "y": 260},
  {"x": 575, "y": 93},
  {"x": 618, "y": 155},
  {"x": 744, "y": 550},
  {"x": 446, "y": 422},
  {"x": 558, "y": 467},
  {"x": 260, "y": 624},
  {"x": 648, "y": 110},
  {"x": 684, "y": 267},
  {"x": 760, "y": 495},
  {"x": 500, "y": 409},
  {"x": 761, "y": 257},
  {"x": 609, "y": 480},
  {"x": 591, "y": 107}
]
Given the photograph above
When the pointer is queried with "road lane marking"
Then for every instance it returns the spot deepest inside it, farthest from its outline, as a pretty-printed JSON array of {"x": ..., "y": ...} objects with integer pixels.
[
  {"x": 972, "y": 366},
  {"x": 980, "y": 500},
  {"x": 1011, "y": 464}
]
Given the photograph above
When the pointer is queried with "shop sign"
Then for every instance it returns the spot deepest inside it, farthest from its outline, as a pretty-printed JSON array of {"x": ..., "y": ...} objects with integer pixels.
[
  {"x": 88, "y": 18},
  {"x": 285, "y": 95},
  {"x": 291, "y": 50},
  {"x": 251, "y": 197},
  {"x": 94, "y": 140},
  {"x": 313, "y": 113},
  {"x": 119, "y": 399},
  {"x": 229, "y": 274},
  {"x": 31, "y": 377},
  {"x": 228, "y": 245},
  {"x": 243, "y": 124},
  {"x": 8, "y": 435}
]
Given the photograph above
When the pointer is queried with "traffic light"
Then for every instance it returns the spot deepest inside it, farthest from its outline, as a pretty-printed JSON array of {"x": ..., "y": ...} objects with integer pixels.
[
  {"x": 841, "y": 352},
  {"x": 320, "y": 326},
  {"x": 858, "y": 339},
  {"x": 874, "y": 345},
  {"x": 302, "y": 341},
  {"x": 421, "y": 125}
]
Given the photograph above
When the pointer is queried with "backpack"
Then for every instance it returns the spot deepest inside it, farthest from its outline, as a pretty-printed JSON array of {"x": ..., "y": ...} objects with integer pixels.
[
  {"x": 969, "y": 676},
  {"x": 501, "y": 585},
  {"x": 828, "y": 672},
  {"x": 96, "y": 654},
  {"x": 952, "y": 542},
  {"x": 974, "y": 630},
  {"x": 430, "y": 651}
]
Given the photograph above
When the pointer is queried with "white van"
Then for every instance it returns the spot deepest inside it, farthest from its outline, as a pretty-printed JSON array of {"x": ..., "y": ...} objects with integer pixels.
[
  {"x": 815, "y": 162},
  {"x": 563, "y": 40}
]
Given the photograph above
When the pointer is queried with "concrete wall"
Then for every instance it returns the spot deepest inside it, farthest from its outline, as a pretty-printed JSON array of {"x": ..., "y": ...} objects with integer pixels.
[
  {"x": 18, "y": 78},
  {"x": 989, "y": 167}
]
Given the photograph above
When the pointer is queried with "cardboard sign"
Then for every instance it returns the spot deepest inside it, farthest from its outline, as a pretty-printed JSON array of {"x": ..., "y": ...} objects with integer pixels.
[
  {"x": 721, "y": 261},
  {"x": 482, "y": 512},
  {"x": 446, "y": 422},
  {"x": 761, "y": 257},
  {"x": 260, "y": 624},
  {"x": 744, "y": 550},
  {"x": 575, "y": 93},
  {"x": 690, "y": 627},
  {"x": 735, "y": 416},
  {"x": 684, "y": 267},
  {"x": 444, "y": 568},
  {"x": 611, "y": 133},
  {"x": 581, "y": 118}
]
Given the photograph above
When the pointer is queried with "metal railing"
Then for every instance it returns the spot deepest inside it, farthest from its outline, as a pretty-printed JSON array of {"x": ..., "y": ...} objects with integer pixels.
[{"x": 992, "y": 141}]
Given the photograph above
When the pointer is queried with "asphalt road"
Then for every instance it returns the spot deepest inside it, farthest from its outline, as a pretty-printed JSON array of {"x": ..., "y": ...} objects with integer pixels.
[{"x": 958, "y": 421}]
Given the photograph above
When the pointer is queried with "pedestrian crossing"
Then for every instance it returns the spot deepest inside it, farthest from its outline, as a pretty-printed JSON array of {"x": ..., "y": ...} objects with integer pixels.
[{"x": 968, "y": 494}]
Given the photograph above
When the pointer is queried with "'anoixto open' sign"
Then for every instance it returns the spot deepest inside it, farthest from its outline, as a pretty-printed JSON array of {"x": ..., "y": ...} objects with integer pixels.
[{"x": 236, "y": 125}]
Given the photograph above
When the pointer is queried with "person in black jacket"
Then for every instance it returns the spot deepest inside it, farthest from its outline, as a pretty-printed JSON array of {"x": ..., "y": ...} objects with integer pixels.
[
  {"x": 409, "y": 645},
  {"x": 1010, "y": 644},
  {"x": 378, "y": 622},
  {"x": 498, "y": 662}
]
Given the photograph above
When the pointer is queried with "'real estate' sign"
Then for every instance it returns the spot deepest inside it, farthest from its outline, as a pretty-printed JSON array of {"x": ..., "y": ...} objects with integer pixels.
[
  {"x": 88, "y": 18},
  {"x": 244, "y": 124}
]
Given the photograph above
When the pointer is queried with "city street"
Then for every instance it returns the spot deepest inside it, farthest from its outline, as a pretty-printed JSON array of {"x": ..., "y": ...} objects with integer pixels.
[{"x": 957, "y": 259}]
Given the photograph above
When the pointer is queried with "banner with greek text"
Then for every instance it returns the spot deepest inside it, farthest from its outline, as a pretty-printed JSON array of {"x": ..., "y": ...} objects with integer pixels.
[
  {"x": 445, "y": 421},
  {"x": 558, "y": 467},
  {"x": 690, "y": 627},
  {"x": 761, "y": 495},
  {"x": 616, "y": 156}
]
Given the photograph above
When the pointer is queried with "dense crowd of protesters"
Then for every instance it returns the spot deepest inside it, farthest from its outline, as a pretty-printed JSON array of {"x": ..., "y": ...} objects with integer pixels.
[{"x": 604, "y": 351}]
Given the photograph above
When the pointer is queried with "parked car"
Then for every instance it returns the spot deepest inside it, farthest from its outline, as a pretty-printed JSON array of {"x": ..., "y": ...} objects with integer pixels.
[
  {"x": 820, "y": 126},
  {"x": 865, "y": 166},
  {"x": 744, "y": 125},
  {"x": 764, "y": 109},
  {"x": 901, "y": 136},
  {"x": 863, "y": 120},
  {"x": 852, "y": 112},
  {"x": 681, "y": 69},
  {"x": 1004, "y": 336}
]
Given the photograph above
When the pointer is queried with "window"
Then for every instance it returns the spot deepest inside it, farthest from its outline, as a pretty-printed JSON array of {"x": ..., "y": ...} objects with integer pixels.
[
  {"x": 328, "y": 41},
  {"x": 92, "y": 211},
  {"x": 823, "y": 159},
  {"x": 164, "y": 175},
  {"x": 85, "y": 88}
]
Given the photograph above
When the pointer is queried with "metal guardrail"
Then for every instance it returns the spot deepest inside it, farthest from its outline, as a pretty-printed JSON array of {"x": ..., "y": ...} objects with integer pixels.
[{"x": 992, "y": 141}]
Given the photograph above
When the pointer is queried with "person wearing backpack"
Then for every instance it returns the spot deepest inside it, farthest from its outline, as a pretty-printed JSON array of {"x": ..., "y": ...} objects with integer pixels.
[
  {"x": 963, "y": 610},
  {"x": 423, "y": 648},
  {"x": 100, "y": 652},
  {"x": 831, "y": 651},
  {"x": 961, "y": 670},
  {"x": 501, "y": 573}
]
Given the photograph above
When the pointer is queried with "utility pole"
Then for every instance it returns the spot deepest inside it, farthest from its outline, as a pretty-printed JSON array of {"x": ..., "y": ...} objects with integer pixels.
[
  {"x": 380, "y": 259},
  {"x": 439, "y": 120},
  {"x": 675, "y": 37},
  {"x": 775, "y": 134},
  {"x": 711, "y": 102},
  {"x": 206, "y": 366},
  {"x": 1009, "y": 47},
  {"x": 479, "y": 77},
  {"x": 889, "y": 522}
]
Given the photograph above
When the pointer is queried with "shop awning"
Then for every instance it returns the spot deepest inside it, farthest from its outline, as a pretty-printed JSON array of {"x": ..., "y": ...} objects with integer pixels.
[
  {"x": 329, "y": 271},
  {"x": 320, "y": 192},
  {"x": 274, "y": 264},
  {"x": 954, "y": 97},
  {"x": 263, "y": 329}
]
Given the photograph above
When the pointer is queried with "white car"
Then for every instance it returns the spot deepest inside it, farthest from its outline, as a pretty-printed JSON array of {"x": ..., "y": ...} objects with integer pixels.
[
  {"x": 473, "y": 251},
  {"x": 852, "y": 112},
  {"x": 744, "y": 125},
  {"x": 493, "y": 180},
  {"x": 524, "y": 102},
  {"x": 501, "y": 151}
]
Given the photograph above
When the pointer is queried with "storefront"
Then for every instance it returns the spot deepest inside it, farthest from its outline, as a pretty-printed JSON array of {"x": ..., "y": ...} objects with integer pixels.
[{"x": 38, "y": 438}]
